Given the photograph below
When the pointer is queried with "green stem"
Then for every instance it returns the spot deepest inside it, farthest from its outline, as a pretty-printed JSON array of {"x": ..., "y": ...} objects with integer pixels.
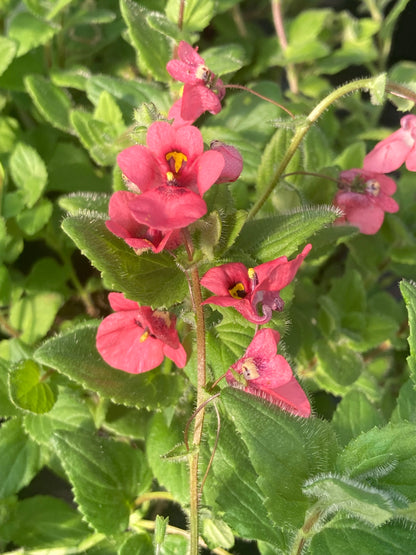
[
  {"x": 199, "y": 417},
  {"x": 360, "y": 84},
  {"x": 150, "y": 525},
  {"x": 304, "y": 533}
]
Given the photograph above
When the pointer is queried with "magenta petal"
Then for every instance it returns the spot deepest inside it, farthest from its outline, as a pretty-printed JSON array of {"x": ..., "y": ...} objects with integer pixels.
[
  {"x": 210, "y": 166},
  {"x": 411, "y": 160},
  {"x": 167, "y": 208},
  {"x": 177, "y": 355},
  {"x": 389, "y": 154},
  {"x": 119, "y": 343},
  {"x": 197, "y": 99},
  {"x": 160, "y": 138},
  {"x": 189, "y": 141},
  {"x": 264, "y": 344},
  {"x": 387, "y": 203},
  {"x": 119, "y": 303},
  {"x": 221, "y": 278},
  {"x": 189, "y": 55},
  {"x": 289, "y": 397},
  {"x": 175, "y": 114},
  {"x": 282, "y": 274},
  {"x": 360, "y": 211},
  {"x": 140, "y": 166},
  {"x": 181, "y": 71}
]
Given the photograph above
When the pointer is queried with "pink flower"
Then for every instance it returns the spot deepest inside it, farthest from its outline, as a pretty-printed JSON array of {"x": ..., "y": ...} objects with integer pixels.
[
  {"x": 233, "y": 162},
  {"x": 136, "y": 235},
  {"x": 268, "y": 375},
  {"x": 136, "y": 338},
  {"x": 244, "y": 289},
  {"x": 202, "y": 91},
  {"x": 364, "y": 198},
  {"x": 390, "y": 153},
  {"x": 172, "y": 172}
]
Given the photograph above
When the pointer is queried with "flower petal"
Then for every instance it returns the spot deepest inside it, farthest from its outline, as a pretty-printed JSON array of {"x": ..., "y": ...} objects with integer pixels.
[
  {"x": 233, "y": 162},
  {"x": 167, "y": 208},
  {"x": 221, "y": 278},
  {"x": 289, "y": 397},
  {"x": 140, "y": 166},
  {"x": 210, "y": 166},
  {"x": 390, "y": 153}
]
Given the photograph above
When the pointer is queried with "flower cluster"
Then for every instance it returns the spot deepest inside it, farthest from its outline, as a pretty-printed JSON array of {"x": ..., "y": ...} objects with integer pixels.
[
  {"x": 365, "y": 194},
  {"x": 166, "y": 180}
]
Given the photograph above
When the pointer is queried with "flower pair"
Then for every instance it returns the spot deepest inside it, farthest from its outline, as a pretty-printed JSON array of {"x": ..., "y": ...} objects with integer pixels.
[{"x": 365, "y": 194}]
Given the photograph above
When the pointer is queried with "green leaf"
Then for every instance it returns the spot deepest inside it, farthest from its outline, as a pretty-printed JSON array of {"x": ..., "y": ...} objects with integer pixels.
[
  {"x": 7, "y": 52},
  {"x": 78, "y": 202},
  {"x": 355, "y": 414},
  {"x": 232, "y": 485},
  {"x": 126, "y": 421},
  {"x": 227, "y": 342},
  {"x": 346, "y": 536},
  {"x": 85, "y": 366},
  {"x": 137, "y": 544},
  {"x": 45, "y": 522},
  {"x": 47, "y": 270},
  {"x": 106, "y": 476},
  {"x": 197, "y": 15},
  {"x": 387, "y": 456},
  {"x": 338, "y": 365},
  {"x": 7, "y": 408},
  {"x": 225, "y": 59},
  {"x": 336, "y": 493},
  {"x": 19, "y": 458},
  {"x": 96, "y": 136},
  {"x": 29, "y": 31},
  {"x": 404, "y": 73},
  {"x": 51, "y": 101},
  {"x": 70, "y": 413},
  {"x": 28, "y": 172},
  {"x": 282, "y": 235},
  {"x": 281, "y": 445},
  {"x": 108, "y": 111},
  {"x": 34, "y": 314},
  {"x": 27, "y": 389},
  {"x": 273, "y": 156},
  {"x": 152, "y": 47},
  {"x": 160, "y": 439},
  {"x": 32, "y": 220},
  {"x": 161, "y": 282},
  {"x": 408, "y": 290},
  {"x": 406, "y": 403}
]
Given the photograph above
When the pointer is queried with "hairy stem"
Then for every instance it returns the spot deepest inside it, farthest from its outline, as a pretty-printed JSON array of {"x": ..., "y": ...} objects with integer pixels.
[
  {"x": 360, "y": 84},
  {"x": 196, "y": 297}
]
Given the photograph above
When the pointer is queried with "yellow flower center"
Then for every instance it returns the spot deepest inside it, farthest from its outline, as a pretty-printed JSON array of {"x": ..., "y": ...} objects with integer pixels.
[
  {"x": 178, "y": 159},
  {"x": 238, "y": 291},
  {"x": 144, "y": 336}
]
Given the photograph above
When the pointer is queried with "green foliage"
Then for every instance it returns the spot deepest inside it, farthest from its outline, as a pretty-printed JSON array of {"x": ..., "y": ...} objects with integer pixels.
[
  {"x": 86, "y": 367},
  {"x": 81, "y": 80}
]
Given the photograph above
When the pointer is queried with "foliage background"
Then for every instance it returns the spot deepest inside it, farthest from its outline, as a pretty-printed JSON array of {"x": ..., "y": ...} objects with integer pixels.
[{"x": 73, "y": 76}]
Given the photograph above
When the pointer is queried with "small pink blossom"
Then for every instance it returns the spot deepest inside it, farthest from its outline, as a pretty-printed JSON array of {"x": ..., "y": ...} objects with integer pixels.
[
  {"x": 268, "y": 375},
  {"x": 245, "y": 289},
  {"x": 390, "y": 153},
  {"x": 364, "y": 197},
  {"x": 136, "y": 235},
  {"x": 233, "y": 162},
  {"x": 136, "y": 338},
  {"x": 202, "y": 90},
  {"x": 172, "y": 172}
]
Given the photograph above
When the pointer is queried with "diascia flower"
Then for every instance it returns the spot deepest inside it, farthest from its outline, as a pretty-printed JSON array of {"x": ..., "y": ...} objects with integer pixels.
[
  {"x": 172, "y": 172},
  {"x": 390, "y": 153},
  {"x": 202, "y": 90},
  {"x": 364, "y": 197},
  {"x": 247, "y": 289},
  {"x": 136, "y": 235},
  {"x": 268, "y": 375},
  {"x": 136, "y": 338}
]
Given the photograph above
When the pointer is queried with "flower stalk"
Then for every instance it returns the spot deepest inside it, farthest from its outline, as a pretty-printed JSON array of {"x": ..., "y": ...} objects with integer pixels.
[{"x": 360, "y": 84}]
